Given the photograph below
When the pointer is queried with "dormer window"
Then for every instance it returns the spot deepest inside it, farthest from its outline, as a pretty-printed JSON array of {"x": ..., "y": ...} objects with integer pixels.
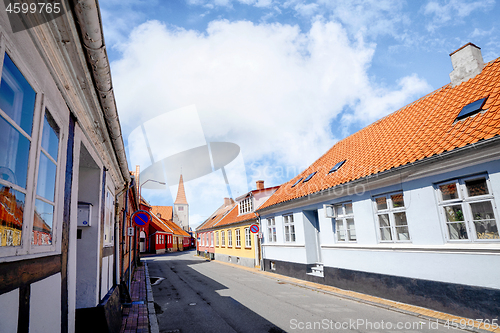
[{"x": 246, "y": 205}]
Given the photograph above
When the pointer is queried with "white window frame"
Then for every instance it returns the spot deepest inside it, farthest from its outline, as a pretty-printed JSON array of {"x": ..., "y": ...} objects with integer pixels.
[
  {"x": 212, "y": 239},
  {"x": 223, "y": 238},
  {"x": 237, "y": 233},
  {"x": 391, "y": 212},
  {"x": 217, "y": 238},
  {"x": 41, "y": 106},
  {"x": 246, "y": 205},
  {"x": 229, "y": 238},
  {"x": 341, "y": 219},
  {"x": 465, "y": 201},
  {"x": 289, "y": 228},
  {"x": 248, "y": 238},
  {"x": 271, "y": 230},
  {"x": 109, "y": 212}
]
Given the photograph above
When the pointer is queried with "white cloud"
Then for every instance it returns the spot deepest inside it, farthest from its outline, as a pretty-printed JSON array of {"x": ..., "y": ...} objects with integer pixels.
[
  {"x": 269, "y": 88},
  {"x": 453, "y": 11},
  {"x": 307, "y": 10},
  {"x": 370, "y": 17},
  {"x": 264, "y": 3},
  {"x": 378, "y": 101}
]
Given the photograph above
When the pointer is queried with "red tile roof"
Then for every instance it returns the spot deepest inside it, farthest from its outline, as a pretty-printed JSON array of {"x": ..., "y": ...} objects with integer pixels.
[
  {"x": 415, "y": 132},
  {"x": 165, "y": 211}
]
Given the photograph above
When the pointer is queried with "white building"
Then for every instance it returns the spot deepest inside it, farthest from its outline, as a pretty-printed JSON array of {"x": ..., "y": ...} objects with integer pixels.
[
  {"x": 406, "y": 208},
  {"x": 62, "y": 165}
]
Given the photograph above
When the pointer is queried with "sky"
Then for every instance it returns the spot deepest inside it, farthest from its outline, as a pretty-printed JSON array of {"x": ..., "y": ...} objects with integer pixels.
[{"x": 228, "y": 92}]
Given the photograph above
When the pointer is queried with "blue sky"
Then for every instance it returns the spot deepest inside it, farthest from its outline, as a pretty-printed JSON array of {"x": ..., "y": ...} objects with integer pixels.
[{"x": 284, "y": 80}]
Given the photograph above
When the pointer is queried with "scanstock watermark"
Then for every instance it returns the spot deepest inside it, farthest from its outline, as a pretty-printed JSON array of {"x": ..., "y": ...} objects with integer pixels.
[{"x": 365, "y": 324}]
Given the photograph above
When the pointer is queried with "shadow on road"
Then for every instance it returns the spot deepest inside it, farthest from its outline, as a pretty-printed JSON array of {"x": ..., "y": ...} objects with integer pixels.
[{"x": 189, "y": 301}]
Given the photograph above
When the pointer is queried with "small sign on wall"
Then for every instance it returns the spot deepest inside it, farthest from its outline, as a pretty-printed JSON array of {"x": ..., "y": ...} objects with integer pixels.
[{"x": 130, "y": 231}]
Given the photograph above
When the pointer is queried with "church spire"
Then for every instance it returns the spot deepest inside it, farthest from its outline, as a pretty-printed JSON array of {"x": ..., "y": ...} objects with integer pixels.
[{"x": 181, "y": 193}]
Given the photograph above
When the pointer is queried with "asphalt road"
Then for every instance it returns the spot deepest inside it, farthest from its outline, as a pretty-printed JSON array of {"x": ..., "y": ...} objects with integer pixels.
[{"x": 201, "y": 296}]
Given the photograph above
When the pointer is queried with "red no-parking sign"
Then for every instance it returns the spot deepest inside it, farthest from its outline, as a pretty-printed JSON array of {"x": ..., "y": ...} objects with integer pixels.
[
  {"x": 140, "y": 218},
  {"x": 254, "y": 228}
]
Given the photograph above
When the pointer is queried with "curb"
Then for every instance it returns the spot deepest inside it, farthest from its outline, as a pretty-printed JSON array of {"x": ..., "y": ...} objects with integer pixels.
[{"x": 153, "y": 321}]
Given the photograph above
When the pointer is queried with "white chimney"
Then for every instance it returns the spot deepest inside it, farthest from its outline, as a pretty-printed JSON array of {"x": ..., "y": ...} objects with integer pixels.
[{"x": 467, "y": 62}]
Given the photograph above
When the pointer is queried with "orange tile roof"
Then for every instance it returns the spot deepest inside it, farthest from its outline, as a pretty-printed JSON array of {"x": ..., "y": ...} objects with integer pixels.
[
  {"x": 417, "y": 131},
  {"x": 216, "y": 217},
  {"x": 181, "y": 193},
  {"x": 233, "y": 218},
  {"x": 160, "y": 225},
  {"x": 165, "y": 211},
  {"x": 176, "y": 229}
]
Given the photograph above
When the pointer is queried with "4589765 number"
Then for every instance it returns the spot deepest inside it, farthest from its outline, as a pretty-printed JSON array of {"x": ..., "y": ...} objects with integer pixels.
[{"x": 32, "y": 8}]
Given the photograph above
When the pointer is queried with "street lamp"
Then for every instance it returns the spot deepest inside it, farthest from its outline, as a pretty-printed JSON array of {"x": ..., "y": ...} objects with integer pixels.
[{"x": 149, "y": 180}]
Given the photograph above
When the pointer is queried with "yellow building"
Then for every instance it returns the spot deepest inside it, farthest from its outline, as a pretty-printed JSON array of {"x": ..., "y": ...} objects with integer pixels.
[{"x": 233, "y": 240}]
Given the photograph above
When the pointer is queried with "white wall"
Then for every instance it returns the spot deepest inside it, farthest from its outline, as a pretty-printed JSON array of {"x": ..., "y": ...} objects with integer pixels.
[
  {"x": 9, "y": 303},
  {"x": 104, "y": 276},
  {"x": 428, "y": 256},
  {"x": 87, "y": 269},
  {"x": 45, "y": 305}
]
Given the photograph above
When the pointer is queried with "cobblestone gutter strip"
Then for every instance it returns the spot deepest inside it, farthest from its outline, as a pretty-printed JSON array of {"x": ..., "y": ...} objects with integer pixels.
[
  {"x": 153, "y": 321},
  {"x": 419, "y": 312}
]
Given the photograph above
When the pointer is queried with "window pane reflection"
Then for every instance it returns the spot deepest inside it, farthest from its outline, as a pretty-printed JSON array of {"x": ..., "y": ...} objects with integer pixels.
[
  {"x": 14, "y": 154},
  {"x": 17, "y": 98},
  {"x": 381, "y": 203},
  {"x": 42, "y": 223},
  {"x": 449, "y": 191},
  {"x": 46, "y": 178},
  {"x": 11, "y": 216},
  {"x": 457, "y": 231},
  {"x": 50, "y": 136},
  {"x": 397, "y": 200}
]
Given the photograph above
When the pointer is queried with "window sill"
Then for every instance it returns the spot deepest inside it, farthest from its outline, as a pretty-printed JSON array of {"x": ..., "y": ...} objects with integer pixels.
[
  {"x": 285, "y": 245},
  {"x": 12, "y": 258}
]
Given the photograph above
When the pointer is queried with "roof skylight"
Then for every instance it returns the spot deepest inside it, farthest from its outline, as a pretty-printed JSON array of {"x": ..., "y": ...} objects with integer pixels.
[
  {"x": 298, "y": 181},
  {"x": 471, "y": 109},
  {"x": 309, "y": 177},
  {"x": 337, "y": 166}
]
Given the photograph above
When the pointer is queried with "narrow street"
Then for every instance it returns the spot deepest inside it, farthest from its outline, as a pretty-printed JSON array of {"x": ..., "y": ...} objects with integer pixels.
[{"x": 196, "y": 295}]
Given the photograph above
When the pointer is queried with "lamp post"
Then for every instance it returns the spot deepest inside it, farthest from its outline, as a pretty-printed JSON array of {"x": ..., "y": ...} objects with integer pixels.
[{"x": 149, "y": 180}]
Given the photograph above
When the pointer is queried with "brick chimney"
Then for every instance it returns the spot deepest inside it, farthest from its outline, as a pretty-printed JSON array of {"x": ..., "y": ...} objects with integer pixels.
[
  {"x": 260, "y": 184},
  {"x": 467, "y": 62},
  {"x": 227, "y": 201}
]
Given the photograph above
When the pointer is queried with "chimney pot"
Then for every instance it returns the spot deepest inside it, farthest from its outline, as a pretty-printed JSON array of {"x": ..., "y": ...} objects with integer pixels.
[
  {"x": 260, "y": 184},
  {"x": 467, "y": 62}
]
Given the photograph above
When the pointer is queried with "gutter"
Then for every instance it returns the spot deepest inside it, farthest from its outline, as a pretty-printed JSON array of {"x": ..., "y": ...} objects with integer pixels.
[{"x": 88, "y": 19}]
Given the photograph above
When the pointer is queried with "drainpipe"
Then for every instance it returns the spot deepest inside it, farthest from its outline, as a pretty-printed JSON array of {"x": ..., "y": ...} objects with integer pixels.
[{"x": 261, "y": 261}]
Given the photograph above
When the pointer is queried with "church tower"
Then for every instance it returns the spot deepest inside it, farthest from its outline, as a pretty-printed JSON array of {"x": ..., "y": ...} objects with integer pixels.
[{"x": 181, "y": 207}]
